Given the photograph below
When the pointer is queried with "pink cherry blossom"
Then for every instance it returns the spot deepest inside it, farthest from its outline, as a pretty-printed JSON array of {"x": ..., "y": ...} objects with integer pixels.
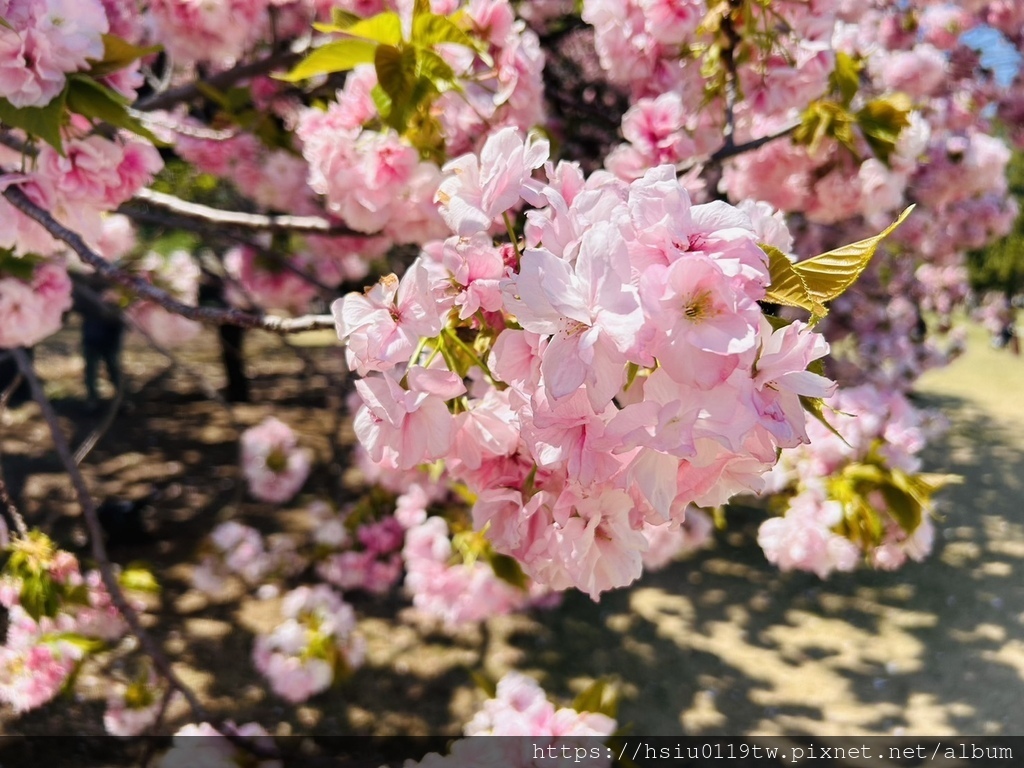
[{"x": 275, "y": 467}]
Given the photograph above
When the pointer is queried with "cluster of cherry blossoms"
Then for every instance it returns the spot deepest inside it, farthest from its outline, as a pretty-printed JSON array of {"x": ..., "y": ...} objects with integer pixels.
[
  {"x": 42, "y": 42},
  {"x": 520, "y": 707},
  {"x": 205, "y": 745},
  {"x": 856, "y": 491},
  {"x": 613, "y": 372},
  {"x": 134, "y": 707},
  {"x": 314, "y": 646},
  {"x": 56, "y": 616},
  {"x": 241, "y": 551},
  {"x": 888, "y": 102},
  {"x": 552, "y": 410},
  {"x": 275, "y": 467},
  {"x": 367, "y": 559}
]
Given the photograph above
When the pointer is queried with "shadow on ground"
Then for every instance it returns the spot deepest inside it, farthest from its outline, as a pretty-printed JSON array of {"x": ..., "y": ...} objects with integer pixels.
[
  {"x": 720, "y": 643},
  {"x": 723, "y": 643}
]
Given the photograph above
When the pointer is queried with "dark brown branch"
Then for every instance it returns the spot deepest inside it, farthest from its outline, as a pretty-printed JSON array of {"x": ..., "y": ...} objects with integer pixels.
[
  {"x": 220, "y": 81},
  {"x": 99, "y": 554},
  {"x": 301, "y": 224},
  {"x": 5, "y": 496},
  {"x": 163, "y": 218},
  {"x": 150, "y": 292},
  {"x": 726, "y": 152},
  {"x": 99, "y": 551}
]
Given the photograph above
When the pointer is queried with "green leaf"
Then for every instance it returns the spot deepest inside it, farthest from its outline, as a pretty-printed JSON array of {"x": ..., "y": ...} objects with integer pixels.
[
  {"x": 5, "y": 23},
  {"x": 823, "y": 119},
  {"x": 436, "y": 70},
  {"x": 830, "y": 274},
  {"x": 381, "y": 101},
  {"x": 845, "y": 78},
  {"x": 19, "y": 267},
  {"x": 94, "y": 100},
  {"x": 338, "y": 56},
  {"x": 384, "y": 28},
  {"x": 903, "y": 507},
  {"x": 484, "y": 683},
  {"x": 396, "y": 69},
  {"x": 343, "y": 18},
  {"x": 44, "y": 122},
  {"x": 139, "y": 578},
  {"x": 881, "y": 120},
  {"x": 38, "y": 596},
  {"x": 430, "y": 29},
  {"x": 87, "y": 644},
  {"x": 597, "y": 697},
  {"x": 787, "y": 286},
  {"x": 118, "y": 53},
  {"x": 508, "y": 570},
  {"x": 816, "y": 407}
]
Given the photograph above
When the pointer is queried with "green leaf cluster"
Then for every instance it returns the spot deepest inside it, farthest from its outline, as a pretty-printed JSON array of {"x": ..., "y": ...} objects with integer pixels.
[
  {"x": 810, "y": 283},
  {"x": 20, "y": 267},
  {"x": 879, "y": 121},
  {"x": 907, "y": 498},
  {"x": 410, "y": 72},
  {"x": 601, "y": 696}
]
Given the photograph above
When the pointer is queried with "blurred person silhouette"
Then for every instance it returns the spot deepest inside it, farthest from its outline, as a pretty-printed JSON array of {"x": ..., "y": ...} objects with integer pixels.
[{"x": 102, "y": 340}]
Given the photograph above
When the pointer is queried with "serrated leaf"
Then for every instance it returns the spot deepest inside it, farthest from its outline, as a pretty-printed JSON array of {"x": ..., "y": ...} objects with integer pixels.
[
  {"x": 338, "y": 56},
  {"x": 508, "y": 570},
  {"x": 343, "y": 18},
  {"x": 436, "y": 70},
  {"x": 598, "y": 697},
  {"x": 396, "y": 69},
  {"x": 118, "y": 53},
  {"x": 816, "y": 407},
  {"x": 94, "y": 100},
  {"x": 787, "y": 286},
  {"x": 484, "y": 683},
  {"x": 429, "y": 29},
  {"x": 828, "y": 275},
  {"x": 138, "y": 578},
  {"x": 845, "y": 78},
  {"x": 903, "y": 507},
  {"x": 19, "y": 267},
  {"x": 381, "y": 101},
  {"x": 384, "y": 28},
  {"x": 44, "y": 122},
  {"x": 882, "y": 120}
]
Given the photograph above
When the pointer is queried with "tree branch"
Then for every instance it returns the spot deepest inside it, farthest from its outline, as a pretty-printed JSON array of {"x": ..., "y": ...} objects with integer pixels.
[
  {"x": 99, "y": 554},
  {"x": 5, "y": 496},
  {"x": 726, "y": 152},
  {"x": 257, "y": 221},
  {"x": 282, "y": 59},
  {"x": 150, "y": 292}
]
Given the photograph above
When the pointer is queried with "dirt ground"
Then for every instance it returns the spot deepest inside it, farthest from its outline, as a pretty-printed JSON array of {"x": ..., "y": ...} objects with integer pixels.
[{"x": 720, "y": 643}]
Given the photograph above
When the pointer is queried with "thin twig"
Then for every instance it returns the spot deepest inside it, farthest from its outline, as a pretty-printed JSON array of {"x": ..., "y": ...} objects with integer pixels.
[
  {"x": 99, "y": 554},
  {"x": 285, "y": 223},
  {"x": 5, "y": 496},
  {"x": 150, "y": 292},
  {"x": 12, "y": 510},
  {"x": 147, "y": 753},
  {"x": 165, "y": 218},
  {"x": 726, "y": 152},
  {"x": 220, "y": 81}
]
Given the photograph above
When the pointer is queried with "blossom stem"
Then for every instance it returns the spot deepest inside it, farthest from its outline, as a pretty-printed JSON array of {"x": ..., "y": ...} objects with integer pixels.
[
  {"x": 512, "y": 235},
  {"x": 470, "y": 353}
]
